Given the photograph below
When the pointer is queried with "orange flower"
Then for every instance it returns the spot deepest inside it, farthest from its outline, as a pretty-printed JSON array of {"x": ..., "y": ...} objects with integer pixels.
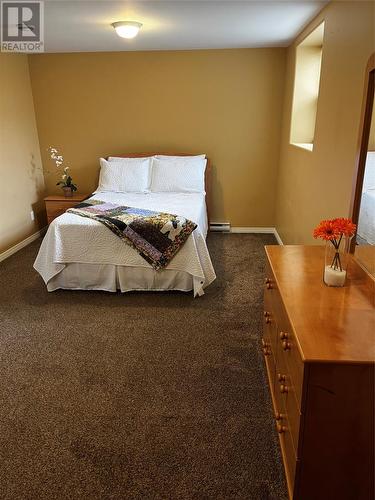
[
  {"x": 326, "y": 230},
  {"x": 344, "y": 226}
]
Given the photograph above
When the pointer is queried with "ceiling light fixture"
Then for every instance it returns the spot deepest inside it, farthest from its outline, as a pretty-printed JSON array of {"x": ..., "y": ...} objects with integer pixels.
[{"x": 127, "y": 29}]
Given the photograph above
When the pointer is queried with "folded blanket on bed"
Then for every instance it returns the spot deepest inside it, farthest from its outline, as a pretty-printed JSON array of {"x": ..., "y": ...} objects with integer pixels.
[{"x": 157, "y": 236}]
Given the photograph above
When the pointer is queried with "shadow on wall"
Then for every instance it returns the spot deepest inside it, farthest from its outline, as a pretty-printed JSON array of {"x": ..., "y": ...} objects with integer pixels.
[
  {"x": 218, "y": 201},
  {"x": 37, "y": 184}
]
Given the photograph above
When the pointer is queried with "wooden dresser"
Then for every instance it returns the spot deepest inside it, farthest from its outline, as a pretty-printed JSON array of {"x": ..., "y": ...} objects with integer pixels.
[
  {"x": 319, "y": 348},
  {"x": 57, "y": 204}
]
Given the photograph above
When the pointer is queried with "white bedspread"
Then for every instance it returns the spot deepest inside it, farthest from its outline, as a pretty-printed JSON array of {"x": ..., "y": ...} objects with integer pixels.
[{"x": 74, "y": 239}]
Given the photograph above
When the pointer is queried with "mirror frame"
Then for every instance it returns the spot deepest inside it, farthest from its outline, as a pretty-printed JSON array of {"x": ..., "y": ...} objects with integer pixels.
[{"x": 363, "y": 140}]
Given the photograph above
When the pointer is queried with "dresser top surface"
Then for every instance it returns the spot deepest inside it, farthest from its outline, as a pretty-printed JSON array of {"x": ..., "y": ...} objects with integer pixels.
[
  {"x": 330, "y": 324},
  {"x": 74, "y": 197}
]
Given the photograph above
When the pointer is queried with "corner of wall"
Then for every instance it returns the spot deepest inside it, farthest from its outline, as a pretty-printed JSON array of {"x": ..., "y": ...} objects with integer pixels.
[
  {"x": 22, "y": 212},
  {"x": 305, "y": 179}
]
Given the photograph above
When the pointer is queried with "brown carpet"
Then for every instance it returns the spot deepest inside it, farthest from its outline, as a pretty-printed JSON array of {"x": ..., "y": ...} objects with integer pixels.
[{"x": 137, "y": 396}]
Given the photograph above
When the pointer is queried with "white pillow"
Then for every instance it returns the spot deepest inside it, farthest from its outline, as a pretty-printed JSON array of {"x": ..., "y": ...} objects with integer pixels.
[
  {"x": 180, "y": 174},
  {"x": 171, "y": 157},
  {"x": 119, "y": 158},
  {"x": 129, "y": 175}
]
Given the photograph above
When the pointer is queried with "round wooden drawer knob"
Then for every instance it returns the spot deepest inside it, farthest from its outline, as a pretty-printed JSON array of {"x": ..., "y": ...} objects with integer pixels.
[
  {"x": 280, "y": 428},
  {"x": 267, "y": 280},
  {"x": 266, "y": 314},
  {"x": 278, "y": 416},
  {"x": 286, "y": 345},
  {"x": 269, "y": 286},
  {"x": 268, "y": 320},
  {"x": 281, "y": 377},
  {"x": 283, "y": 335},
  {"x": 284, "y": 389}
]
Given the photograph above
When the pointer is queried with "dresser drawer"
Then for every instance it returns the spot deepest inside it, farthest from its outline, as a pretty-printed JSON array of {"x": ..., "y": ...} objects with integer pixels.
[
  {"x": 268, "y": 347},
  {"x": 289, "y": 352},
  {"x": 270, "y": 326},
  {"x": 282, "y": 380},
  {"x": 288, "y": 356},
  {"x": 294, "y": 418},
  {"x": 285, "y": 398},
  {"x": 283, "y": 339},
  {"x": 287, "y": 450}
]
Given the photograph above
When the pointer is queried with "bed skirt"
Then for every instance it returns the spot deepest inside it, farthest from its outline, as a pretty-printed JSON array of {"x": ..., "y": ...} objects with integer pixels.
[{"x": 110, "y": 278}]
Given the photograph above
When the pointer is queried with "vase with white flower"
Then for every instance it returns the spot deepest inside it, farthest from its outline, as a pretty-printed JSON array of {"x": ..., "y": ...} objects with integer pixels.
[
  {"x": 66, "y": 182},
  {"x": 337, "y": 233}
]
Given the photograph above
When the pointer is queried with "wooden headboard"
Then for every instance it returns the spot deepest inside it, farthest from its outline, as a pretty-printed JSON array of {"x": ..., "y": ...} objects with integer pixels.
[{"x": 207, "y": 177}]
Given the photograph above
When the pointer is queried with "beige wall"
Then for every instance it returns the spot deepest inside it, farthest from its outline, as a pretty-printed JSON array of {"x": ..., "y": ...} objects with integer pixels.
[
  {"x": 226, "y": 103},
  {"x": 22, "y": 184},
  {"x": 318, "y": 184}
]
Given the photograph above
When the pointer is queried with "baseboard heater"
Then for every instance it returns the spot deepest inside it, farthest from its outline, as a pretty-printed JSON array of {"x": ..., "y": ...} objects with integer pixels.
[{"x": 220, "y": 227}]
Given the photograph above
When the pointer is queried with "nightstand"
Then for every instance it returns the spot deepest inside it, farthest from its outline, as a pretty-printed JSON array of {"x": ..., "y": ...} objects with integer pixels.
[{"x": 57, "y": 205}]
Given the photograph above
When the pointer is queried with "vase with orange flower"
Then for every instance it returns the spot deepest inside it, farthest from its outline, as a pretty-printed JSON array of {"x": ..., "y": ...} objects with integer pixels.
[{"x": 337, "y": 233}]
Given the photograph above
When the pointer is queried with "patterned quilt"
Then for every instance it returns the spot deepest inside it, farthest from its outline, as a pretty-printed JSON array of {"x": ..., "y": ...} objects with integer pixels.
[{"x": 157, "y": 236}]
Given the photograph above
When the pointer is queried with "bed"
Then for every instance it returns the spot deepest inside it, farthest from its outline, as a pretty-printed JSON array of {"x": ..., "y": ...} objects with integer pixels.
[{"x": 79, "y": 253}]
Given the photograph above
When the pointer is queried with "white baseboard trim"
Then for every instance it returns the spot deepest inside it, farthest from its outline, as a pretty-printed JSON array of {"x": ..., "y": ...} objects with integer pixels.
[
  {"x": 277, "y": 236},
  {"x": 264, "y": 230},
  {"x": 22, "y": 244},
  {"x": 261, "y": 230}
]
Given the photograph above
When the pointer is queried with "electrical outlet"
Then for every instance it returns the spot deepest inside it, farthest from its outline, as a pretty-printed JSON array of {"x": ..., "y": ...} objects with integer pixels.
[{"x": 32, "y": 215}]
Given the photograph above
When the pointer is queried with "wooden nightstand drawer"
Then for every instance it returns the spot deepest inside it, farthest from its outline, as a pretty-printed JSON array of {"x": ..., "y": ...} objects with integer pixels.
[
  {"x": 56, "y": 208},
  {"x": 57, "y": 205}
]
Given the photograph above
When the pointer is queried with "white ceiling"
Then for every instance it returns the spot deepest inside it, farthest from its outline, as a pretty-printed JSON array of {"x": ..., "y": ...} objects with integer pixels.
[{"x": 84, "y": 25}]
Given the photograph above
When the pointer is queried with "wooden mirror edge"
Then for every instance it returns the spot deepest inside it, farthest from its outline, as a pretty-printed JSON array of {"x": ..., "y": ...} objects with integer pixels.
[
  {"x": 363, "y": 140},
  {"x": 364, "y": 260}
]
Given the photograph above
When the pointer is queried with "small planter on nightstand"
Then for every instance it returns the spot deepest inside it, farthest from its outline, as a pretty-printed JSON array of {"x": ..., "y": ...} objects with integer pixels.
[{"x": 57, "y": 205}]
